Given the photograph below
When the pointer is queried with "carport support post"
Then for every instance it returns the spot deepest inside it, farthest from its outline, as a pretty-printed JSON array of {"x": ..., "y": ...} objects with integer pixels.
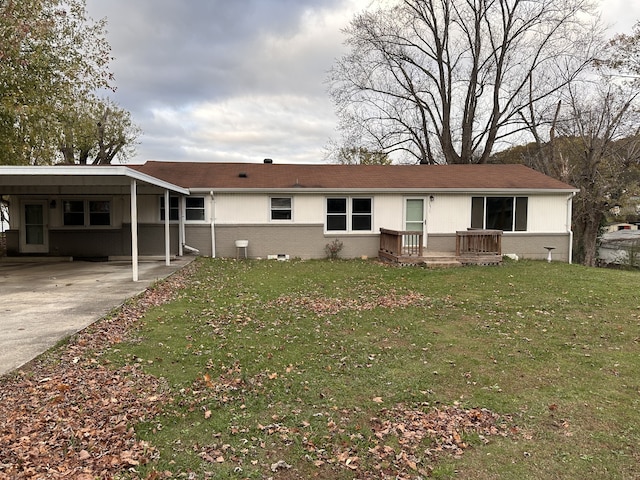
[
  {"x": 167, "y": 237},
  {"x": 134, "y": 229}
]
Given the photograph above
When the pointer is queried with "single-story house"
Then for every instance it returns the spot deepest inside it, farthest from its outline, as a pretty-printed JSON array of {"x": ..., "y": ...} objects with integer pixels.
[{"x": 167, "y": 208}]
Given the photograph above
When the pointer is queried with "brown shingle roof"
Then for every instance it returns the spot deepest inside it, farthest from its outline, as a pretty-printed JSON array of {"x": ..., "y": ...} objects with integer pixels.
[{"x": 346, "y": 177}]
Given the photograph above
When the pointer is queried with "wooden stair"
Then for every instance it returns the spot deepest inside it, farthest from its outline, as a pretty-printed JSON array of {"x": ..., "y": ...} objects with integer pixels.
[
  {"x": 440, "y": 260},
  {"x": 473, "y": 247}
]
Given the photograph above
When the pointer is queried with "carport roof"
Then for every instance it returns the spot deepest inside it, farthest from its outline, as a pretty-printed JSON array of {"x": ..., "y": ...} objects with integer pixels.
[{"x": 116, "y": 175}]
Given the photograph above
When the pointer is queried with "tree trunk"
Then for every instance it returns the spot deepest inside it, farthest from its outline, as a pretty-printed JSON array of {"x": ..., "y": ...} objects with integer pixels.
[{"x": 590, "y": 243}]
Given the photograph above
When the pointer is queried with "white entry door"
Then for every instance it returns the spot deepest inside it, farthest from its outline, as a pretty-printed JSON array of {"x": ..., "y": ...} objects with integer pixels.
[
  {"x": 414, "y": 217},
  {"x": 34, "y": 236}
]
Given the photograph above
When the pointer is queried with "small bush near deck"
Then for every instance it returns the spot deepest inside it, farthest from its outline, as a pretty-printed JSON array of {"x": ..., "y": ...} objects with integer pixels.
[{"x": 333, "y": 249}]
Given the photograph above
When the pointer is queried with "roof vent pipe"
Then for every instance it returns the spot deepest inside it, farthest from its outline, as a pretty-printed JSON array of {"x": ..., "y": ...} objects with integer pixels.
[{"x": 268, "y": 160}]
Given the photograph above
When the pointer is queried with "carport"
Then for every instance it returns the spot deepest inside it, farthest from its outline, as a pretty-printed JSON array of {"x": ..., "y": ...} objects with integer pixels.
[{"x": 39, "y": 189}]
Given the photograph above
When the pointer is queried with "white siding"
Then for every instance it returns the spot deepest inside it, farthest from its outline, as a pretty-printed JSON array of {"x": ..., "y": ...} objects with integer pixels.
[
  {"x": 547, "y": 213},
  {"x": 148, "y": 209},
  {"x": 55, "y": 213},
  {"x": 308, "y": 209},
  {"x": 388, "y": 212},
  {"x": 448, "y": 213},
  {"x": 241, "y": 208},
  {"x": 445, "y": 213}
]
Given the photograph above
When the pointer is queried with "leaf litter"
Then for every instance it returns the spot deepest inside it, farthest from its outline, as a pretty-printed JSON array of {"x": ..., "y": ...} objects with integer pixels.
[
  {"x": 72, "y": 417},
  {"x": 67, "y": 415}
]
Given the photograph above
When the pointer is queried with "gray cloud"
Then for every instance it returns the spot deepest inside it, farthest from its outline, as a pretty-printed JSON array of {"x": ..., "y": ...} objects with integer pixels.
[
  {"x": 184, "y": 50},
  {"x": 221, "y": 80}
]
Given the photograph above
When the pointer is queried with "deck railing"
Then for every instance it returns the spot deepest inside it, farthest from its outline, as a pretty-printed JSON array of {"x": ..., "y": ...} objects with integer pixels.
[
  {"x": 479, "y": 242},
  {"x": 401, "y": 243}
]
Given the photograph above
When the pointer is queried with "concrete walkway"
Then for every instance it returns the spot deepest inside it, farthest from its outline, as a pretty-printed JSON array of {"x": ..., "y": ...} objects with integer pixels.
[{"x": 42, "y": 303}]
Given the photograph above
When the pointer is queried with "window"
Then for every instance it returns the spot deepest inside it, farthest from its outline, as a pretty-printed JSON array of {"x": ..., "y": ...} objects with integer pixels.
[
  {"x": 281, "y": 208},
  {"x": 498, "y": 213},
  {"x": 79, "y": 213},
  {"x": 361, "y": 214},
  {"x": 73, "y": 212},
  {"x": 174, "y": 208},
  {"x": 336, "y": 214},
  {"x": 194, "y": 207},
  {"x": 345, "y": 214},
  {"x": 99, "y": 213},
  {"x": 522, "y": 207}
]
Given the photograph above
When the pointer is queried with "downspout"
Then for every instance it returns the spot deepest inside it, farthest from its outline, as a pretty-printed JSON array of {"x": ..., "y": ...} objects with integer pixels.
[
  {"x": 212, "y": 218},
  {"x": 569, "y": 216},
  {"x": 181, "y": 209},
  {"x": 183, "y": 235},
  {"x": 167, "y": 232}
]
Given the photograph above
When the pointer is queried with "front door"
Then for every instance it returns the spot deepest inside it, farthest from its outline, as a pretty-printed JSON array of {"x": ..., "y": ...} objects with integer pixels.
[
  {"x": 34, "y": 237},
  {"x": 414, "y": 218}
]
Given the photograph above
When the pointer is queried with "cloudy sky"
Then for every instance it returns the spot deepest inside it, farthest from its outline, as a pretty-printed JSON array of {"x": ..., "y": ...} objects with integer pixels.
[{"x": 237, "y": 80}]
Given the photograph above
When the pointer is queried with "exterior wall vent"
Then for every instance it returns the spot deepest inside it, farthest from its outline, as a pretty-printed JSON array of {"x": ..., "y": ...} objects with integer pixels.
[
  {"x": 282, "y": 257},
  {"x": 242, "y": 175}
]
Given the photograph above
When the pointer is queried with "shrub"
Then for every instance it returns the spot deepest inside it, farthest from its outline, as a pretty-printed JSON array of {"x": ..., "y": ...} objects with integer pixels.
[{"x": 333, "y": 249}]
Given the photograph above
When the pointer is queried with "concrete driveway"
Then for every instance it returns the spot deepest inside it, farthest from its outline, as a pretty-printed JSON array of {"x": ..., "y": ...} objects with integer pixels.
[{"x": 42, "y": 303}]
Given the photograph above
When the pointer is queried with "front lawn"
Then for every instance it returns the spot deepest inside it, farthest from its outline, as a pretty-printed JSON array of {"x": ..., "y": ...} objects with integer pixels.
[{"x": 354, "y": 369}]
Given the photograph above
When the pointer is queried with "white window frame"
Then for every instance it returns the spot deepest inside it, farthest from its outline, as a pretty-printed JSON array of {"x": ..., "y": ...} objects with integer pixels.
[
  {"x": 182, "y": 208},
  {"x": 273, "y": 209},
  {"x": 188, "y": 209},
  {"x": 349, "y": 213},
  {"x": 86, "y": 212}
]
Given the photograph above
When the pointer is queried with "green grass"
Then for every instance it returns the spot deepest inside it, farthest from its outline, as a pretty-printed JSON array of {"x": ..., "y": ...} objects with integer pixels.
[{"x": 293, "y": 361}]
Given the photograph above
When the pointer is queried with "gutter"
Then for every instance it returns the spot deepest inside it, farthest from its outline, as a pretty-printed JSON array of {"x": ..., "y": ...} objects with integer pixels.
[{"x": 403, "y": 191}]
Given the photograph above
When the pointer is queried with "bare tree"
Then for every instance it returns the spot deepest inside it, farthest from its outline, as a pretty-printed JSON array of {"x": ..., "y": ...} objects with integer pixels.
[
  {"x": 593, "y": 140},
  {"x": 361, "y": 156},
  {"x": 593, "y": 144},
  {"x": 95, "y": 132},
  {"x": 603, "y": 124},
  {"x": 443, "y": 81}
]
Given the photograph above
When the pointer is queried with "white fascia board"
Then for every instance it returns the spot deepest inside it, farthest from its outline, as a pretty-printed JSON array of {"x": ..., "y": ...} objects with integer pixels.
[
  {"x": 404, "y": 191},
  {"x": 90, "y": 171},
  {"x": 63, "y": 170},
  {"x": 143, "y": 177}
]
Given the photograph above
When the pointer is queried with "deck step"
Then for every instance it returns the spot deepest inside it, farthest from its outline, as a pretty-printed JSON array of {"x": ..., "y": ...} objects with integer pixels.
[
  {"x": 441, "y": 259},
  {"x": 441, "y": 263}
]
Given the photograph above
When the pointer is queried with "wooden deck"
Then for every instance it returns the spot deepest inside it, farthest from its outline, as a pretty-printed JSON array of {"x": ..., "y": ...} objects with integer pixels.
[{"x": 473, "y": 247}]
